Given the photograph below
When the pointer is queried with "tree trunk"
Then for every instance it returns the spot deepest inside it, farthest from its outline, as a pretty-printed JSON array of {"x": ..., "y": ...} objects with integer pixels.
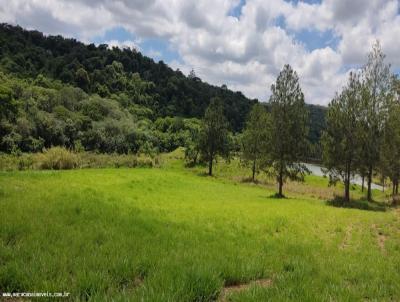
[
  {"x": 280, "y": 186},
  {"x": 280, "y": 180},
  {"x": 383, "y": 185},
  {"x": 254, "y": 170},
  {"x": 347, "y": 191},
  {"x": 369, "y": 193},
  {"x": 210, "y": 164},
  {"x": 394, "y": 187},
  {"x": 395, "y": 190},
  {"x": 362, "y": 183},
  {"x": 347, "y": 184}
]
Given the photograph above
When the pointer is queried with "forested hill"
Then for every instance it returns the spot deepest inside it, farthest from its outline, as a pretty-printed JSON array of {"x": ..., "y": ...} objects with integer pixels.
[
  {"x": 94, "y": 69},
  {"x": 124, "y": 75}
]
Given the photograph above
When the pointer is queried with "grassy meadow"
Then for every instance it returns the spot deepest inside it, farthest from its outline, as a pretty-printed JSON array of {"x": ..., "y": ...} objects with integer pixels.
[{"x": 173, "y": 234}]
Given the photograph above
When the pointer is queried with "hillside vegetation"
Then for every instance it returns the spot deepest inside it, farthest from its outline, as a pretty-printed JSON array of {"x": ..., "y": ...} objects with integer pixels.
[{"x": 118, "y": 93}]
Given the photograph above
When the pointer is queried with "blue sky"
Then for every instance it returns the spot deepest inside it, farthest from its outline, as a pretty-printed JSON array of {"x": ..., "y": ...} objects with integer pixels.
[
  {"x": 154, "y": 47},
  {"x": 236, "y": 11}
]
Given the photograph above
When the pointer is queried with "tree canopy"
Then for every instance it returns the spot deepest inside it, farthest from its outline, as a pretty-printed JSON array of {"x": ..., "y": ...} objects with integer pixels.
[
  {"x": 214, "y": 134},
  {"x": 289, "y": 128}
]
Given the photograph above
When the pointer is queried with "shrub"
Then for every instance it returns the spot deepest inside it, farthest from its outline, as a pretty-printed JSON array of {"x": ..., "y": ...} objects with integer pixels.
[
  {"x": 57, "y": 158},
  {"x": 25, "y": 162}
]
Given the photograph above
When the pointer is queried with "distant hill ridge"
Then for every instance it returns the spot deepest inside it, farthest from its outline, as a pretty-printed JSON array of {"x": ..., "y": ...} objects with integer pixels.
[{"x": 30, "y": 53}]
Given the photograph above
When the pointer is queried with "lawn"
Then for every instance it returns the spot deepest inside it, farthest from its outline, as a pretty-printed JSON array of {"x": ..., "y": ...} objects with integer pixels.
[{"x": 173, "y": 234}]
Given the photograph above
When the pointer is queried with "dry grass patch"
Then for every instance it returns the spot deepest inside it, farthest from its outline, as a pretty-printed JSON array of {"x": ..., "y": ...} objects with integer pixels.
[{"x": 237, "y": 288}]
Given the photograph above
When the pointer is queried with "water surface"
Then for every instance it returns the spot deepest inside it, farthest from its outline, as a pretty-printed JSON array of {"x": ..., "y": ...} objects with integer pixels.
[{"x": 356, "y": 179}]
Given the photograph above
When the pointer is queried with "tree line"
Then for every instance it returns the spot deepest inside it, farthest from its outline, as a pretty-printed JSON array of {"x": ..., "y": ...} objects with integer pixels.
[
  {"x": 107, "y": 72},
  {"x": 362, "y": 134},
  {"x": 102, "y": 70},
  {"x": 363, "y": 126},
  {"x": 40, "y": 113},
  {"x": 274, "y": 141}
]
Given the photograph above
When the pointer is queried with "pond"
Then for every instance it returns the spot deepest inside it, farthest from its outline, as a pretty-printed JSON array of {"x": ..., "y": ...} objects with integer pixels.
[{"x": 356, "y": 179}]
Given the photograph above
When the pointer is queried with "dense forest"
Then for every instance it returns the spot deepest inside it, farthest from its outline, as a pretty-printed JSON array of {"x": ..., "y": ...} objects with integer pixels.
[{"x": 58, "y": 91}]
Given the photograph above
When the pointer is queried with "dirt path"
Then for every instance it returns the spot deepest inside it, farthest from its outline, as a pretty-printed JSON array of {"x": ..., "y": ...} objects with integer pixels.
[
  {"x": 347, "y": 236},
  {"x": 380, "y": 238},
  {"x": 228, "y": 290}
]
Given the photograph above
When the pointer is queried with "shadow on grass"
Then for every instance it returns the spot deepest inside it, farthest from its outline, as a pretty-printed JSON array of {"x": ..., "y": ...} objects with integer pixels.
[
  {"x": 360, "y": 204},
  {"x": 250, "y": 180},
  {"x": 277, "y": 196},
  {"x": 203, "y": 174}
]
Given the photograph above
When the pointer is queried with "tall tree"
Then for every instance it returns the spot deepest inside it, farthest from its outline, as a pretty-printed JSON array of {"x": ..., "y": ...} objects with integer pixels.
[
  {"x": 390, "y": 153},
  {"x": 289, "y": 130},
  {"x": 255, "y": 137},
  {"x": 377, "y": 82},
  {"x": 214, "y": 134},
  {"x": 82, "y": 79},
  {"x": 341, "y": 137}
]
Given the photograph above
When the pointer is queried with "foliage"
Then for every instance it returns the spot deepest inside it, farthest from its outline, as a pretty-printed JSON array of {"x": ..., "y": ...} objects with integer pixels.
[
  {"x": 107, "y": 71},
  {"x": 288, "y": 139},
  {"x": 95, "y": 83},
  {"x": 341, "y": 140},
  {"x": 362, "y": 127},
  {"x": 58, "y": 158},
  {"x": 390, "y": 153},
  {"x": 377, "y": 93},
  {"x": 255, "y": 138},
  {"x": 214, "y": 139},
  {"x": 59, "y": 115}
]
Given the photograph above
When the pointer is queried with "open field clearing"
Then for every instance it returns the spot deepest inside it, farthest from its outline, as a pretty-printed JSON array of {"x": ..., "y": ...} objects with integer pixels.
[{"x": 171, "y": 234}]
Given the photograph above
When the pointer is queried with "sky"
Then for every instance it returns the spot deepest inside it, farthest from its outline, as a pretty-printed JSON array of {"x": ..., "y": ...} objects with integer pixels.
[{"x": 241, "y": 43}]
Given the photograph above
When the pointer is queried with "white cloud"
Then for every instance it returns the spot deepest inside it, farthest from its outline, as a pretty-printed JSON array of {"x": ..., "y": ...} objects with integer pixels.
[
  {"x": 245, "y": 52},
  {"x": 123, "y": 44}
]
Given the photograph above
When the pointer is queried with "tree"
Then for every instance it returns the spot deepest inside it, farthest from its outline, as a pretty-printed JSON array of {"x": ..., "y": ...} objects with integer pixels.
[
  {"x": 192, "y": 74},
  {"x": 288, "y": 137},
  {"x": 8, "y": 106},
  {"x": 341, "y": 137},
  {"x": 192, "y": 149},
  {"x": 82, "y": 79},
  {"x": 390, "y": 153},
  {"x": 377, "y": 91},
  {"x": 255, "y": 137},
  {"x": 214, "y": 134}
]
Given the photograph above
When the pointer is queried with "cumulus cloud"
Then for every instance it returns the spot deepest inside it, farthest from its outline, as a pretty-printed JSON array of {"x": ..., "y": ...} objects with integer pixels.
[
  {"x": 246, "y": 51},
  {"x": 122, "y": 44}
]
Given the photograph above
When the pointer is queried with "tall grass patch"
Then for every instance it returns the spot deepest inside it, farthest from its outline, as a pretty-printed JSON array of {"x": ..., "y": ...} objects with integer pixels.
[{"x": 60, "y": 158}]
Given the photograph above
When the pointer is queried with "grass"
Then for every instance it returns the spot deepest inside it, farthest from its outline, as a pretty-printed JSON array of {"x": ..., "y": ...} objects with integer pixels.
[
  {"x": 168, "y": 234},
  {"x": 313, "y": 186},
  {"x": 59, "y": 158}
]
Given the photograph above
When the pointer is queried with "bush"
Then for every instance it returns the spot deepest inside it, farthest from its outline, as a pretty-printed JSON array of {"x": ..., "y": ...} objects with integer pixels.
[
  {"x": 93, "y": 160},
  {"x": 25, "y": 162},
  {"x": 57, "y": 158}
]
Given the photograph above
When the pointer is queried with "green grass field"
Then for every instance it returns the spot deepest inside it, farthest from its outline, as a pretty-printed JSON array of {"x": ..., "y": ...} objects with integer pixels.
[{"x": 172, "y": 234}]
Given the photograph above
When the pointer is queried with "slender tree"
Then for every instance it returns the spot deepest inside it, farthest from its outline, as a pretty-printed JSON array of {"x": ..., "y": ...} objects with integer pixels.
[
  {"x": 377, "y": 82},
  {"x": 214, "y": 134},
  {"x": 289, "y": 130},
  {"x": 390, "y": 153},
  {"x": 255, "y": 137},
  {"x": 341, "y": 137}
]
